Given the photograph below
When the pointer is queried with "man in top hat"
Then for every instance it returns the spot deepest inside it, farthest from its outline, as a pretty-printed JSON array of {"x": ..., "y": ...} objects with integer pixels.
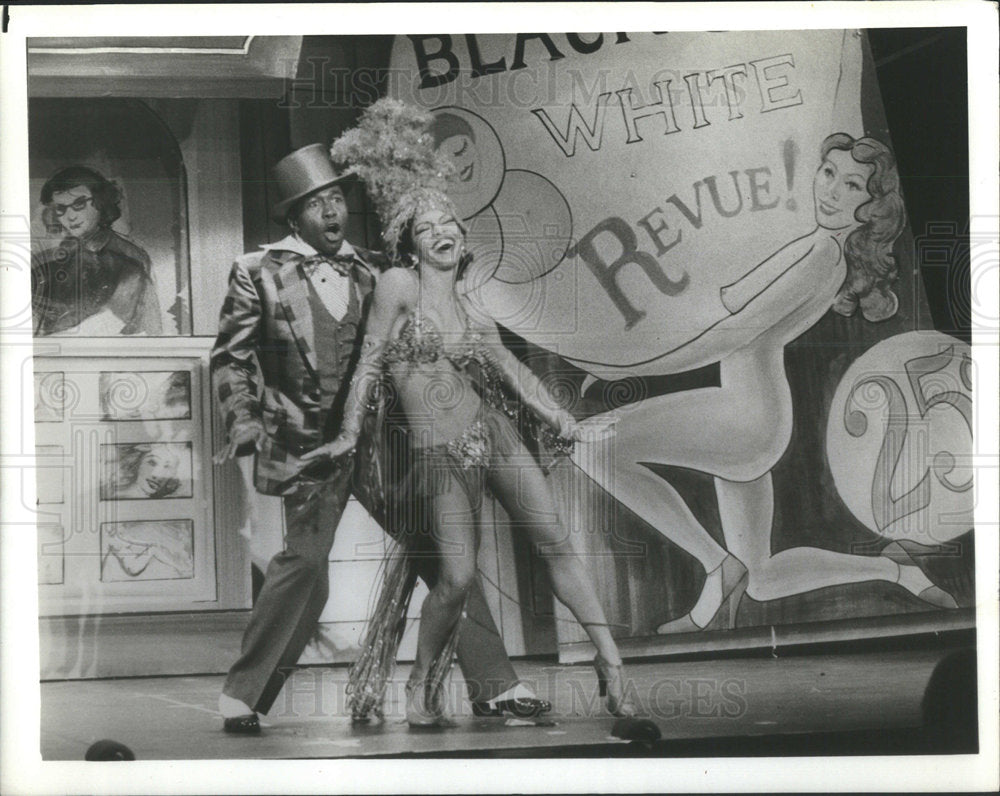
[{"x": 289, "y": 332}]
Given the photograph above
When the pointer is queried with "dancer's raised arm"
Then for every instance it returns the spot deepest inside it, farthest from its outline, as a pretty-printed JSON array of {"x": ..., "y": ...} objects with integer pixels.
[{"x": 520, "y": 378}]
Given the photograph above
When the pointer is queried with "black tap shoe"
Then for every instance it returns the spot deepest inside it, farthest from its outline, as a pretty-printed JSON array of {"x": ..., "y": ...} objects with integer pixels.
[
  {"x": 522, "y": 708},
  {"x": 242, "y": 725}
]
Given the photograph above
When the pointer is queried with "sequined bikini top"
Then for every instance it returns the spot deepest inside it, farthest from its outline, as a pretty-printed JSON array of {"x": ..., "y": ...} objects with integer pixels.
[{"x": 420, "y": 342}]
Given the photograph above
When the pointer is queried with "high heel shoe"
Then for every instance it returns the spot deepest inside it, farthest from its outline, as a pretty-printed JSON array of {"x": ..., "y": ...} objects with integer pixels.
[
  {"x": 611, "y": 684},
  {"x": 734, "y": 585},
  {"x": 420, "y": 713},
  {"x": 933, "y": 595}
]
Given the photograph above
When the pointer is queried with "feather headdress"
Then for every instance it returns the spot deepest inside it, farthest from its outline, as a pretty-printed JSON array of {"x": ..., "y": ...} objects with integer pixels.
[{"x": 392, "y": 150}]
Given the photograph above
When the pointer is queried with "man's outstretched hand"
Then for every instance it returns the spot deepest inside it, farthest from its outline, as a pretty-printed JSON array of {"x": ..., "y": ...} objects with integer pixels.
[
  {"x": 343, "y": 445},
  {"x": 244, "y": 438}
]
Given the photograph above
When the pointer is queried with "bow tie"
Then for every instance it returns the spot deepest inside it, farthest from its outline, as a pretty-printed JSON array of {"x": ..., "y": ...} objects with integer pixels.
[{"x": 341, "y": 263}]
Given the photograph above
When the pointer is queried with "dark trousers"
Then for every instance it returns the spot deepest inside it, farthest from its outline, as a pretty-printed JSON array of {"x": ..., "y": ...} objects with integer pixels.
[{"x": 295, "y": 590}]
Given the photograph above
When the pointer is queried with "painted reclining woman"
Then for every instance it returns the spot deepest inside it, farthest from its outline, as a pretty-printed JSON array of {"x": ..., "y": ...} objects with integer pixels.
[
  {"x": 738, "y": 432},
  {"x": 448, "y": 368}
]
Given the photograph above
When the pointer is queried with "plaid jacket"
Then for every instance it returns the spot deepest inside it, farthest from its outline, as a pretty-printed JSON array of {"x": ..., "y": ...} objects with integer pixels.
[{"x": 264, "y": 365}]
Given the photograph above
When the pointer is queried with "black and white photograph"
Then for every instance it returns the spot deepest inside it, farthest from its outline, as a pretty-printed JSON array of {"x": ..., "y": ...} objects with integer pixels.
[
  {"x": 146, "y": 471},
  {"x": 487, "y": 400},
  {"x": 50, "y": 475},
  {"x": 144, "y": 550},
  {"x": 50, "y": 395},
  {"x": 152, "y": 395},
  {"x": 51, "y": 565}
]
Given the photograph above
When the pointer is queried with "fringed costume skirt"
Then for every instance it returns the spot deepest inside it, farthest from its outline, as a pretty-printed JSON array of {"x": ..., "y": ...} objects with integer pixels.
[{"x": 490, "y": 441}]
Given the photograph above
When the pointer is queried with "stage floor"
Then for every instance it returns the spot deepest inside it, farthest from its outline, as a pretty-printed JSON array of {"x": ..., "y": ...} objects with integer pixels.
[{"x": 175, "y": 718}]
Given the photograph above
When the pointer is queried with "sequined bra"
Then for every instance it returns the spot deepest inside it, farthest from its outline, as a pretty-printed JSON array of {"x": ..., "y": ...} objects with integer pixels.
[{"x": 419, "y": 342}]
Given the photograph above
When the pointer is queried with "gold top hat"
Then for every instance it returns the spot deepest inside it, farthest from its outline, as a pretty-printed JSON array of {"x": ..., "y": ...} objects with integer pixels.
[{"x": 301, "y": 173}]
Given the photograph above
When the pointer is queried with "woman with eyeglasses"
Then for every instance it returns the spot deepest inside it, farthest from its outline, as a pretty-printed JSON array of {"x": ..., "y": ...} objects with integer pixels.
[{"x": 95, "y": 282}]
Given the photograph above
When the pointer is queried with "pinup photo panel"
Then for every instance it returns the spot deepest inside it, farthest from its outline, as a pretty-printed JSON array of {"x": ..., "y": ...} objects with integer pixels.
[{"x": 125, "y": 510}]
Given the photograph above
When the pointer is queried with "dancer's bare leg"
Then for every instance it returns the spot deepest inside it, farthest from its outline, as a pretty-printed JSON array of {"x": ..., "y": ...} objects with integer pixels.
[
  {"x": 527, "y": 499},
  {"x": 456, "y": 539}
]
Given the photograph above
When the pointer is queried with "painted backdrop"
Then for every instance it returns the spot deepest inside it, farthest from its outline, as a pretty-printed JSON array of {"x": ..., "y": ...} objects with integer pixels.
[{"x": 701, "y": 235}]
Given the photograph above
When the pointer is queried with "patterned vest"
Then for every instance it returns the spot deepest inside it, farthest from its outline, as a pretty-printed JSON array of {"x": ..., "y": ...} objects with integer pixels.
[{"x": 336, "y": 346}]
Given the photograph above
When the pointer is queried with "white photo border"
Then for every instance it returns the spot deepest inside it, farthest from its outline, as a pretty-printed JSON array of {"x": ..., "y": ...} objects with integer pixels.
[{"x": 22, "y": 768}]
